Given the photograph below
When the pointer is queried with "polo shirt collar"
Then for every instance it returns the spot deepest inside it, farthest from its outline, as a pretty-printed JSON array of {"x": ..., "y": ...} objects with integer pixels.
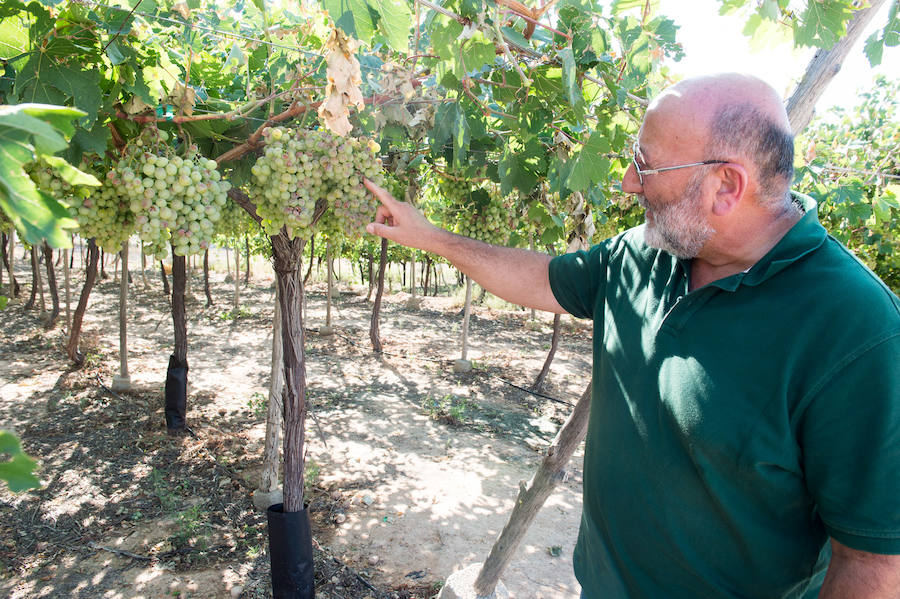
[{"x": 804, "y": 237}]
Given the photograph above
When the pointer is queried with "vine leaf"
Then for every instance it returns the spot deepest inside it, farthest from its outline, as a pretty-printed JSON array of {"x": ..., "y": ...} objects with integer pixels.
[
  {"x": 43, "y": 82},
  {"x": 28, "y": 131},
  {"x": 889, "y": 36},
  {"x": 591, "y": 166},
  {"x": 356, "y": 17},
  {"x": 822, "y": 24},
  {"x": 395, "y": 23},
  {"x": 515, "y": 173},
  {"x": 344, "y": 79},
  {"x": 18, "y": 470},
  {"x": 570, "y": 82}
]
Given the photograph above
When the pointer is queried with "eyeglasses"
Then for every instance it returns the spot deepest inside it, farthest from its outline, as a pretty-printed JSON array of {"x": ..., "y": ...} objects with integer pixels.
[{"x": 636, "y": 151}]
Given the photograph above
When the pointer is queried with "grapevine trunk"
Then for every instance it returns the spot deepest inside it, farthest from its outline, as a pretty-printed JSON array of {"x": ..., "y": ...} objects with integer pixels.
[
  {"x": 78, "y": 317},
  {"x": 287, "y": 261}
]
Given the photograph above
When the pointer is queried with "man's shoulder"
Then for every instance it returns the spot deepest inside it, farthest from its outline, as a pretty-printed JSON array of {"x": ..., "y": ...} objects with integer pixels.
[
  {"x": 836, "y": 294},
  {"x": 847, "y": 279}
]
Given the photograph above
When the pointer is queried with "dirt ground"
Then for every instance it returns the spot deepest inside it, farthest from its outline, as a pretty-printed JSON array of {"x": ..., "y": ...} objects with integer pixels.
[{"x": 413, "y": 470}]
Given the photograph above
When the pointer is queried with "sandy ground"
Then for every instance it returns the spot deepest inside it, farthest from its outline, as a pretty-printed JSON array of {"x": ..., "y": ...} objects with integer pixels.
[{"x": 405, "y": 494}]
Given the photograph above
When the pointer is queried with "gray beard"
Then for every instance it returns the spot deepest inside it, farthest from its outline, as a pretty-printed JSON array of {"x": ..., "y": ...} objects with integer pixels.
[{"x": 679, "y": 228}]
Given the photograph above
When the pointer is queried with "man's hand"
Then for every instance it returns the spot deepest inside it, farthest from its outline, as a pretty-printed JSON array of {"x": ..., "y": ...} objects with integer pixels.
[
  {"x": 400, "y": 222},
  {"x": 518, "y": 276}
]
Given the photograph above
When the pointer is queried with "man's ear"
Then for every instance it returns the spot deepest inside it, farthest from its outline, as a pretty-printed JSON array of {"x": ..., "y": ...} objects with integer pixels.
[{"x": 731, "y": 180}]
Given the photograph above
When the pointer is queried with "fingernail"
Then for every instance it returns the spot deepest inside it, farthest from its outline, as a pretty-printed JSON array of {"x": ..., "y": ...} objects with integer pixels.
[{"x": 370, "y": 228}]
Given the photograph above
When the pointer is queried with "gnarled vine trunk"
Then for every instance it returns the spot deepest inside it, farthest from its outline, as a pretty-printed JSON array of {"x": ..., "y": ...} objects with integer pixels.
[
  {"x": 35, "y": 281},
  {"x": 165, "y": 279},
  {"x": 175, "y": 406},
  {"x": 123, "y": 381},
  {"x": 51, "y": 283},
  {"x": 538, "y": 384},
  {"x": 77, "y": 318},
  {"x": 246, "y": 259},
  {"x": 209, "y": 300},
  {"x": 8, "y": 260},
  {"x": 287, "y": 260},
  {"x": 374, "y": 332},
  {"x": 179, "y": 318},
  {"x": 329, "y": 267}
]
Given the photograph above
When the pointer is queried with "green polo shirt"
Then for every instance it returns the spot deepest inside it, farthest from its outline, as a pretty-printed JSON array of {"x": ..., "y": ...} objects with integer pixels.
[{"x": 734, "y": 428}]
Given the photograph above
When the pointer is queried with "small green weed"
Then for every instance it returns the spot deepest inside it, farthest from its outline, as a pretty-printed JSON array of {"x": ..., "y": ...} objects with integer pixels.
[
  {"x": 311, "y": 475},
  {"x": 235, "y": 313},
  {"x": 258, "y": 404},
  {"x": 449, "y": 409},
  {"x": 92, "y": 359},
  {"x": 191, "y": 528},
  {"x": 169, "y": 498}
]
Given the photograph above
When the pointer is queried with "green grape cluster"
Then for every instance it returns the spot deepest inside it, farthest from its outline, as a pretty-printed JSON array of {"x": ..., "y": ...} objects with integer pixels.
[
  {"x": 177, "y": 200},
  {"x": 49, "y": 182},
  {"x": 104, "y": 215},
  {"x": 480, "y": 214},
  {"x": 231, "y": 221},
  {"x": 300, "y": 168},
  {"x": 100, "y": 213}
]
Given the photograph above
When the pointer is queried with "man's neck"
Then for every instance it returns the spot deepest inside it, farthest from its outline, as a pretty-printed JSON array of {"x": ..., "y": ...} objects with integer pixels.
[{"x": 712, "y": 265}]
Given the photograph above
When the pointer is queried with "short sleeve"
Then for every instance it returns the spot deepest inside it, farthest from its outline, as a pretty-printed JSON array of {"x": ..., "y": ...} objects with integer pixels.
[
  {"x": 577, "y": 278},
  {"x": 850, "y": 439}
]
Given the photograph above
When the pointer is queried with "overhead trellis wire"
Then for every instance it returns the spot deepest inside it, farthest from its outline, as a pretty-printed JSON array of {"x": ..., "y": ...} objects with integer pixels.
[{"x": 213, "y": 31}]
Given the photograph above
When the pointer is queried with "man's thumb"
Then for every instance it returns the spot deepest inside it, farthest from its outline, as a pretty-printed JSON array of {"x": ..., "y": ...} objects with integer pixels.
[{"x": 378, "y": 229}]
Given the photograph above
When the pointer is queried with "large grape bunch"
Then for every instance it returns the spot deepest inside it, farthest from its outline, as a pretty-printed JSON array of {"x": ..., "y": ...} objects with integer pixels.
[
  {"x": 302, "y": 168},
  {"x": 177, "y": 200},
  {"x": 478, "y": 213},
  {"x": 100, "y": 213}
]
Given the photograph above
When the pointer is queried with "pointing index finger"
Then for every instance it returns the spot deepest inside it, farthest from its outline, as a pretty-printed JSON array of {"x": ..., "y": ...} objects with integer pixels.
[{"x": 381, "y": 193}]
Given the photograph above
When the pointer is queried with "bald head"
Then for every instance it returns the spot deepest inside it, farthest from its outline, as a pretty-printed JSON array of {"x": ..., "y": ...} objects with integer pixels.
[
  {"x": 709, "y": 94},
  {"x": 738, "y": 118}
]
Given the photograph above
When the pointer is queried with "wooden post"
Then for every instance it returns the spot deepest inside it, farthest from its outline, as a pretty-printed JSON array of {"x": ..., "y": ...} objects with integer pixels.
[
  {"x": 329, "y": 265},
  {"x": 68, "y": 291},
  {"x": 533, "y": 495},
  {"x": 466, "y": 313},
  {"x": 268, "y": 492}
]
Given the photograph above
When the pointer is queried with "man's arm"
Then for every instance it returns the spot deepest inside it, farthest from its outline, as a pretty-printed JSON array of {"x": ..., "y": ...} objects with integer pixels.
[
  {"x": 518, "y": 276},
  {"x": 854, "y": 574}
]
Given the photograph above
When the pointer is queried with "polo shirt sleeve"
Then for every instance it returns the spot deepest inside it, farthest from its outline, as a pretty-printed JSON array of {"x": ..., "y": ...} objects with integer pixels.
[
  {"x": 577, "y": 278},
  {"x": 850, "y": 439}
]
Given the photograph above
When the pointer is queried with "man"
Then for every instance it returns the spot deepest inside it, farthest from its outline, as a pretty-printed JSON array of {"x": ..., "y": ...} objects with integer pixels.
[{"x": 744, "y": 435}]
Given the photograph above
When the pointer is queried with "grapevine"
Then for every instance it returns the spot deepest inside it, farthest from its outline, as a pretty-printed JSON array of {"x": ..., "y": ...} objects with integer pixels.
[{"x": 303, "y": 173}]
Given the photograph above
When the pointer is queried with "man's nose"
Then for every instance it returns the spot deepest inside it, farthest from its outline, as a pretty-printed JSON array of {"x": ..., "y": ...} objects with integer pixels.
[{"x": 630, "y": 181}]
